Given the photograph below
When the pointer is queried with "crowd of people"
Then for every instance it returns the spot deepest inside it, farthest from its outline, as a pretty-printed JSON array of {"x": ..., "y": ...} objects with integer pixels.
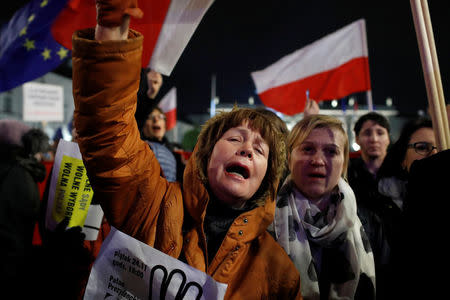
[{"x": 273, "y": 213}]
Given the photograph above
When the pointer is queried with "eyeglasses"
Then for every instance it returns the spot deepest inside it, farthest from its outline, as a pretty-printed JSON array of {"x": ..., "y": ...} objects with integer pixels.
[
  {"x": 422, "y": 148},
  {"x": 157, "y": 117}
]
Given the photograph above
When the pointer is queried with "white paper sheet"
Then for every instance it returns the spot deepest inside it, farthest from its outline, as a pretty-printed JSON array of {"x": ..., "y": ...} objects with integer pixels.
[{"x": 129, "y": 269}]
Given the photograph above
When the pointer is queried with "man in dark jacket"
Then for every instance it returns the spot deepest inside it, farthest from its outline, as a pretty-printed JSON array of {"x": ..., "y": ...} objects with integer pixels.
[
  {"x": 19, "y": 202},
  {"x": 372, "y": 135}
]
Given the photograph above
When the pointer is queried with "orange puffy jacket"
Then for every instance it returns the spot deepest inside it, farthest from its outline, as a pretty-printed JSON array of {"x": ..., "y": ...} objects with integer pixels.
[{"x": 126, "y": 179}]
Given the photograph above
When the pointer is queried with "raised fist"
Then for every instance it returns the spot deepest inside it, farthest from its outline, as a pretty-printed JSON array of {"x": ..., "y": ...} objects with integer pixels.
[
  {"x": 111, "y": 13},
  {"x": 311, "y": 108}
]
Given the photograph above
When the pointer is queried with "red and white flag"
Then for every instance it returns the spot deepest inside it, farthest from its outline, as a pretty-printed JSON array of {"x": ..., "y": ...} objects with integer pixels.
[
  {"x": 167, "y": 26},
  {"x": 180, "y": 23},
  {"x": 330, "y": 68},
  {"x": 168, "y": 105}
]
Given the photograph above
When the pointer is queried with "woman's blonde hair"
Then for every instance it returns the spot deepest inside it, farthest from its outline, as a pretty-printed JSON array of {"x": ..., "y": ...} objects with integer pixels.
[
  {"x": 214, "y": 129},
  {"x": 303, "y": 128}
]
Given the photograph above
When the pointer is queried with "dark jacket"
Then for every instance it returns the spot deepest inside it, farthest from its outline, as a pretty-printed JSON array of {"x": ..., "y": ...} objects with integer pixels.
[
  {"x": 126, "y": 179},
  {"x": 369, "y": 199},
  {"x": 423, "y": 257},
  {"x": 374, "y": 213},
  {"x": 19, "y": 211},
  {"x": 365, "y": 186}
]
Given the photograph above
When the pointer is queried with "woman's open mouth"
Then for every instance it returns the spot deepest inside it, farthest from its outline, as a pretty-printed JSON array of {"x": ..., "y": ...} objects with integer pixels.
[{"x": 238, "y": 170}]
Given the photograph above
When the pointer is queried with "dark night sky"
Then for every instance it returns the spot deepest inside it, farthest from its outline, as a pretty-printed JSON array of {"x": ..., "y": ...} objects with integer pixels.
[
  {"x": 235, "y": 39},
  {"x": 238, "y": 37}
]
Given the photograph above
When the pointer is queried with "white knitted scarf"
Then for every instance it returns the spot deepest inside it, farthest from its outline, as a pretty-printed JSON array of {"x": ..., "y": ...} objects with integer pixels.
[{"x": 306, "y": 234}]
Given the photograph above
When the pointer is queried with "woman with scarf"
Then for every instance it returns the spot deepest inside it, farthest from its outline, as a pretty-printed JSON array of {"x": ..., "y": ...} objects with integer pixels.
[{"x": 315, "y": 219}]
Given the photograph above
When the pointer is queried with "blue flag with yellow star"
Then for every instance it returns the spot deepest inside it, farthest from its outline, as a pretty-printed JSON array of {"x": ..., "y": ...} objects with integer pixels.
[{"x": 27, "y": 48}]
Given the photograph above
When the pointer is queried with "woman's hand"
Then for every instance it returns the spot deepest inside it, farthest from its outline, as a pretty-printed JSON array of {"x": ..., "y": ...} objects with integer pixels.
[
  {"x": 103, "y": 33},
  {"x": 311, "y": 108},
  {"x": 113, "y": 18}
]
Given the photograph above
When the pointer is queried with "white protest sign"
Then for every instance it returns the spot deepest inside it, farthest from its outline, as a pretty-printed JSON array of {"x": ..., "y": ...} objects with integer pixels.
[
  {"x": 70, "y": 192},
  {"x": 43, "y": 102},
  {"x": 129, "y": 269}
]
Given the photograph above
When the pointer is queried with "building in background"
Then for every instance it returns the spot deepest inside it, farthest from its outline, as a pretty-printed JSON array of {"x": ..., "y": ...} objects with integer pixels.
[{"x": 11, "y": 104}]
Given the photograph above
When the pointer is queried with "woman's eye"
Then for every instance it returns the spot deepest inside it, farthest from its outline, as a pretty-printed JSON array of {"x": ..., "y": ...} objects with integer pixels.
[
  {"x": 307, "y": 149},
  {"x": 422, "y": 147},
  {"x": 331, "y": 151}
]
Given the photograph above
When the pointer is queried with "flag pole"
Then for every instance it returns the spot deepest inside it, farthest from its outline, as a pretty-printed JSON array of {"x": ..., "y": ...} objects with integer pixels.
[
  {"x": 369, "y": 100},
  {"x": 437, "y": 72},
  {"x": 212, "y": 110},
  {"x": 429, "y": 74},
  {"x": 177, "y": 139}
]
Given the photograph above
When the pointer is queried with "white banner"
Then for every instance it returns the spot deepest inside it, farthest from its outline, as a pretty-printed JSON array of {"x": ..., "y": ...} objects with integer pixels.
[
  {"x": 43, "y": 102},
  {"x": 129, "y": 269}
]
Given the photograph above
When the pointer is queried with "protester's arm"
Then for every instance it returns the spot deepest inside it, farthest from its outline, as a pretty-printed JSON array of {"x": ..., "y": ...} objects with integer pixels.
[
  {"x": 115, "y": 33},
  {"x": 122, "y": 169},
  {"x": 311, "y": 108}
]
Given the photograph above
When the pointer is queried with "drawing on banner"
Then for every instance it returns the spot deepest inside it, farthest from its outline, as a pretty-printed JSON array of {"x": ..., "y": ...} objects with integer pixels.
[
  {"x": 129, "y": 269},
  {"x": 164, "y": 283}
]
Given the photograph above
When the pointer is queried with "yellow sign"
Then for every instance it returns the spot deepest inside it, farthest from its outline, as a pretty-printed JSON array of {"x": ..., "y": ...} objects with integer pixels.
[{"x": 73, "y": 192}]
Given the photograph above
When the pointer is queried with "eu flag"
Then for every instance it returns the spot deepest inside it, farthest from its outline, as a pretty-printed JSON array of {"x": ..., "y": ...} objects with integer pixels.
[{"x": 27, "y": 48}]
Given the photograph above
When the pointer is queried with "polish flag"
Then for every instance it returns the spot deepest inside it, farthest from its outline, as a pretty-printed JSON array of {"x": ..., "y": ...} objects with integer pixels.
[
  {"x": 168, "y": 105},
  {"x": 167, "y": 27},
  {"x": 330, "y": 68}
]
